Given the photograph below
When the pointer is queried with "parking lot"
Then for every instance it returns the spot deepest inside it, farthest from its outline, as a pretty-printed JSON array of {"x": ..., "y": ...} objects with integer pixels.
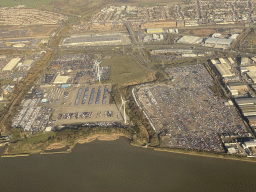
[
  {"x": 80, "y": 69},
  {"x": 80, "y": 103},
  {"x": 188, "y": 110}
]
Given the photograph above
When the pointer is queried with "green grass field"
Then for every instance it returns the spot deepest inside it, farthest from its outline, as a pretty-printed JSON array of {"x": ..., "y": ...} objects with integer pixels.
[{"x": 124, "y": 70}]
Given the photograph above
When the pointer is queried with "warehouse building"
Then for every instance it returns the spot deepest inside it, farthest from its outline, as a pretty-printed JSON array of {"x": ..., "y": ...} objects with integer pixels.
[
  {"x": 251, "y": 68},
  {"x": 61, "y": 79},
  {"x": 214, "y": 62},
  {"x": 252, "y": 121},
  {"x": 252, "y": 76},
  {"x": 155, "y": 30},
  {"x": 249, "y": 113},
  {"x": 178, "y": 51},
  {"x": 224, "y": 70},
  {"x": 248, "y": 108},
  {"x": 237, "y": 86},
  {"x": 218, "y": 43},
  {"x": 251, "y": 143},
  {"x": 190, "y": 40},
  {"x": 222, "y": 60},
  {"x": 93, "y": 40},
  {"x": 28, "y": 63},
  {"x": 244, "y": 69},
  {"x": 231, "y": 60},
  {"x": 210, "y": 42},
  {"x": 234, "y": 36},
  {"x": 192, "y": 22},
  {"x": 246, "y": 101},
  {"x": 216, "y": 35},
  {"x": 245, "y": 61},
  {"x": 162, "y": 24},
  {"x": 11, "y": 65},
  {"x": 253, "y": 59}
]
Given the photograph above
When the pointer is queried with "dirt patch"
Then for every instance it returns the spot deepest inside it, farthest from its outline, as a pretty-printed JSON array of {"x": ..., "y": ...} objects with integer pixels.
[{"x": 101, "y": 137}]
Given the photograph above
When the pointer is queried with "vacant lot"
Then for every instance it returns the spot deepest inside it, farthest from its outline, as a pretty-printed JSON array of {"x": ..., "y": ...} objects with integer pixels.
[
  {"x": 249, "y": 41},
  {"x": 25, "y": 31},
  {"x": 28, "y": 3},
  {"x": 149, "y": 2},
  {"x": 124, "y": 70}
]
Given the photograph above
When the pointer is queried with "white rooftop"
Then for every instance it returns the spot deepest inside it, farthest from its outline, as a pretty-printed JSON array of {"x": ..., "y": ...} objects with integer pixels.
[
  {"x": 61, "y": 79},
  {"x": 10, "y": 66}
]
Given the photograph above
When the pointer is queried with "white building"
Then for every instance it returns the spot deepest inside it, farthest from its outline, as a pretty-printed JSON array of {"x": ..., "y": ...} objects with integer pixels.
[{"x": 11, "y": 65}]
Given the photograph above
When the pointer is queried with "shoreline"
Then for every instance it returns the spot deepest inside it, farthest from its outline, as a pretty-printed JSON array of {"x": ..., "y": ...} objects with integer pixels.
[
  {"x": 201, "y": 154},
  {"x": 115, "y": 136},
  {"x": 210, "y": 155}
]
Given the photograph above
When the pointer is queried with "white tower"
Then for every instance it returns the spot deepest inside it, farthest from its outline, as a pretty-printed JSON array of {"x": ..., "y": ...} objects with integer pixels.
[
  {"x": 123, "y": 105},
  {"x": 97, "y": 63},
  {"x": 2, "y": 96}
]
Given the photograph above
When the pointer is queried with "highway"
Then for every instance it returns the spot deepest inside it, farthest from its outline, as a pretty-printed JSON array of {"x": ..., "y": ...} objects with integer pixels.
[{"x": 156, "y": 46}]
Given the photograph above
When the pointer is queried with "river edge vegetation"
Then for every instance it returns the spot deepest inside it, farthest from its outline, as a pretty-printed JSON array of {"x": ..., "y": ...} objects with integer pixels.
[{"x": 63, "y": 140}]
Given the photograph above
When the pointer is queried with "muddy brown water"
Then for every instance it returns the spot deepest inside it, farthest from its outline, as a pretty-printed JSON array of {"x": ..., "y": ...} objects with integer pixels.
[{"x": 118, "y": 166}]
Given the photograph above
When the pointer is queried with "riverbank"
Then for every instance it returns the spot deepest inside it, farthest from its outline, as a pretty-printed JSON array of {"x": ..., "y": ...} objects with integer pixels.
[
  {"x": 207, "y": 154},
  {"x": 63, "y": 141},
  {"x": 66, "y": 140}
]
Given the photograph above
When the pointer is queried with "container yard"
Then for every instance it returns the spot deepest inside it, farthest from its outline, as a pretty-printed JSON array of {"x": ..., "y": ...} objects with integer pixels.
[{"x": 188, "y": 111}]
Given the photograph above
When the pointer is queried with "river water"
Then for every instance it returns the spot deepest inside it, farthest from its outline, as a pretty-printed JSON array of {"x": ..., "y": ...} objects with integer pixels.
[{"x": 118, "y": 166}]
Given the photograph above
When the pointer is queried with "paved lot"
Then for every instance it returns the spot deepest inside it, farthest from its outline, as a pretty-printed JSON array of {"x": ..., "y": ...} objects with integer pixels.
[
  {"x": 81, "y": 103},
  {"x": 188, "y": 110}
]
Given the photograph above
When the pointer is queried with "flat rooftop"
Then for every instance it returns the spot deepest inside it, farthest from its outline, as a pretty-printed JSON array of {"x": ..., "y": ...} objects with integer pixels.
[
  {"x": 245, "y": 101},
  {"x": 92, "y": 38}
]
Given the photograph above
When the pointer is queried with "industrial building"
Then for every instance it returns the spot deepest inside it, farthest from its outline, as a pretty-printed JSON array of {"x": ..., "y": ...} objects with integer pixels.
[
  {"x": 246, "y": 101},
  {"x": 190, "y": 40},
  {"x": 165, "y": 24},
  {"x": 252, "y": 121},
  {"x": 234, "y": 36},
  {"x": 214, "y": 62},
  {"x": 224, "y": 70},
  {"x": 252, "y": 76},
  {"x": 231, "y": 60},
  {"x": 93, "y": 40},
  {"x": 224, "y": 61},
  {"x": 251, "y": 68},
  {"x": 191, "y": 55},
  {"x": 192, "y": 22},
  {"x": 11, "y": 65},
  {"x": 237, "y": 86},
  {"x": 216, "y": 35},
  {"x": 245, "y": 61},
  {"x": 253, "y": 59},
  {"x": 176, "y": 31},
  {"x": 251, "y": 143},
  {"x": 61, "y": 79},
  {"x": 28, "y": 63},
  {"x": 218, "y": 43},
  {"x": 247, "y": 106},
  {"x": 163, "y": 51},
  {"x": 155, "y": 30}
]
